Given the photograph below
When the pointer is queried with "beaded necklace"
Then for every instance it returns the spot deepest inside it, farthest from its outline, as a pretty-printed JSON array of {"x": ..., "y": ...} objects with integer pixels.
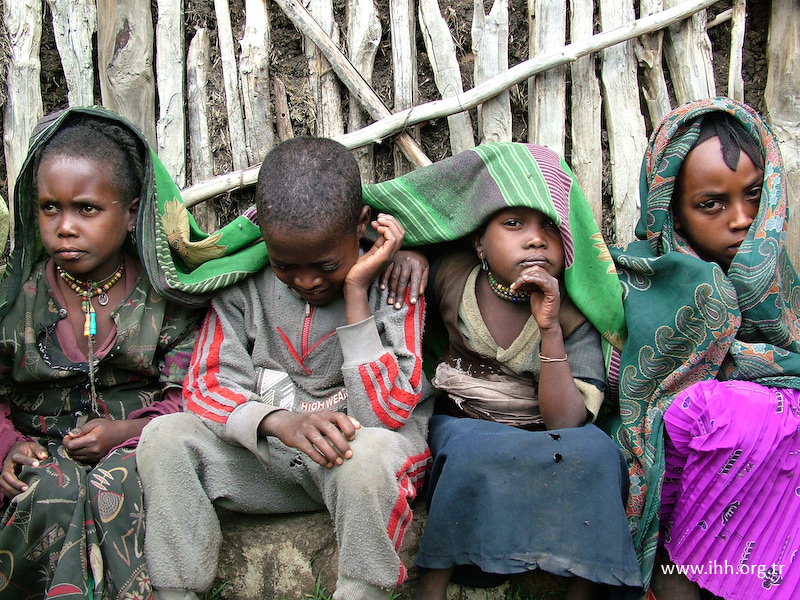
[
  {"x": 504, "y": 291},
  {"x": 88, "y": 290}
]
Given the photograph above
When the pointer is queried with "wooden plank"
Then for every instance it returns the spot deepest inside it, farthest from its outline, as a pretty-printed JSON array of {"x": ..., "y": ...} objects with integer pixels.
[
  {"x": 74, "y": 23},
  {"x": 586, "y": 104},
  {"x": 363, "y": 38},
  {"x": 689, "y": 57},
  {"x": 393, "y": 123},
  {"x": 446, "y": 71},
  {"x": 649, "y": 50},
  {"x": 125, "y": 62},
  {"x": 782, "y": 107},
  {"x": 254, "y": 80},
  {"x": 283, "y": 120},
  {"x": 350, "y": 76},
  {"x": 171, "y": 125},
  {"x": 627, "y": 139},
  {"x": 490, "y": 46},
  {"x": 547, "y": 92},
  {"x": 321, "y": 79},
  {"x": 23, "y": 109},
  {"x": 404, "y": 68},
  {"x": 230, "y": 78},
  {"x": 198, "y": 69},
  {"x": 735, "y": 80}
]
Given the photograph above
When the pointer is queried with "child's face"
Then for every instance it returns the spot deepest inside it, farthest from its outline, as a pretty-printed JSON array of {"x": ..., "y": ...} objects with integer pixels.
[
  {"x": 715, "y": 206},
  {"x": 313, "y": 262},
  {"x": 518, "y": 238},
  {"x": 82, "y": 220}
]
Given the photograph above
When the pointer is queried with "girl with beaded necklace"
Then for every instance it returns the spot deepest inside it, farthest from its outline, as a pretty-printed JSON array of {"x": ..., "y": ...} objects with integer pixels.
[
  {"x": 521, "y": 477},
  {"x": 89, "y": 354}
]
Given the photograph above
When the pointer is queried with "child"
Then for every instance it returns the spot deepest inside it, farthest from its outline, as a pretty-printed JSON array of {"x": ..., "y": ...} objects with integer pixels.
[
  {"x": 305, "y": 392},
  {"x": 88, "y": 355},
  {"x": 521, "y": 478},
  {"x": 713, "y": 360}
]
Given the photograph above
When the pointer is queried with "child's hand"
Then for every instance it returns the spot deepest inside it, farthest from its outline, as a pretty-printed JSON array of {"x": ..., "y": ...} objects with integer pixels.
[
  {"x": 92, "y": 441},
  {"x": 409, "y": 270},
  {"x": 377, "y": 258},
  {"x": 21, "y": 454},
  {"x": 545, "y": 295},
  {"x": 322, "y": 435}
]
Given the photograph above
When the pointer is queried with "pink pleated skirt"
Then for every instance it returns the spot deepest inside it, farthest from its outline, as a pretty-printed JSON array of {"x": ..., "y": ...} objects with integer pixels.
[{"x": 731, "y": 494}]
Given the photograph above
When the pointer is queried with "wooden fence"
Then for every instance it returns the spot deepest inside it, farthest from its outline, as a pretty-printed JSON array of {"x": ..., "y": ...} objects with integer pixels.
[{"x": 597, "y": 68}]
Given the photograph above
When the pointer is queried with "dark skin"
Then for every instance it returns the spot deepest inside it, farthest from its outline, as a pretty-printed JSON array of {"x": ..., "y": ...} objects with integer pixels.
[
  {"x": 325, "y": 435},
  {"x": 83, "y": 223}
]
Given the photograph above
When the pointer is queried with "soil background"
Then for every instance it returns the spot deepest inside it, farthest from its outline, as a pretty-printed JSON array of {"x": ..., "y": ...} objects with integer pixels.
[{"x": 288, "y": 63}]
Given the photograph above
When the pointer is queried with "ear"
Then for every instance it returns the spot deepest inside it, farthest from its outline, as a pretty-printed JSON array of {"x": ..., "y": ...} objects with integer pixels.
[
  {"x": 676, "y": 219},
  {"x": 364, "y": 220},
  {"x": 477, "y": 242},
  {"x": 133, "y": 214}
]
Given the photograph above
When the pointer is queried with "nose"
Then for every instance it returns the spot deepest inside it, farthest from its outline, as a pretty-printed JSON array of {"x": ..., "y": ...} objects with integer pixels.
[
  {"x": 66, "y": 225},
  {"x": 535, "y": 237},
  {"x": 741, "y": 215},
  {"x": 307, "y": 279}
]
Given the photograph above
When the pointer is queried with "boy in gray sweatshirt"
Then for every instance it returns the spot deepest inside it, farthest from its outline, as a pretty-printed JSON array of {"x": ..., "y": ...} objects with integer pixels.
[{"x": 305, "y": 391}]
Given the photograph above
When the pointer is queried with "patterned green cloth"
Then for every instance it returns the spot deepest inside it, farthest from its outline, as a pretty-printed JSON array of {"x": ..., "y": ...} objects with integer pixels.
[{"x": 687, "y": 320}]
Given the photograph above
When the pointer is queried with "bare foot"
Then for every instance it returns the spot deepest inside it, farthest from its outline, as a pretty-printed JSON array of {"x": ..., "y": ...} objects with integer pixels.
[{"x": 433, "y": 585}]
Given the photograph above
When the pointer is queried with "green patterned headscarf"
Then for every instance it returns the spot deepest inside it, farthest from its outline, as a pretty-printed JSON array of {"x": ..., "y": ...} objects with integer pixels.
[
  {"x": 454, "y": 197},
  {"x": 687, "y": 320}
]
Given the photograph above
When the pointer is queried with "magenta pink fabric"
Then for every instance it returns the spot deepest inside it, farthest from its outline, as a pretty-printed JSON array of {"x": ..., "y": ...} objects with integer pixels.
[{"x": 731, "y": 495}]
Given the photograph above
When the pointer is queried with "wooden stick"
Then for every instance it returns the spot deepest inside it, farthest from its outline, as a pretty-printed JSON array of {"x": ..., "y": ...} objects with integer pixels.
[
  {"x": 254, "y": 80},
  {"x": 446, "y": 71},
  {"x": 322, "y": 82},
  {"x": 735, "y": 80},
  {"x": 586, "y": 112},
  {"x": 231, "y": 79},
  {"x": 282, "y": 117},
  {"x": 23, "y": 22},
  {"x": 171, "y": 125},
  {"x": 721, "y": 18},
  {"x": 490, "y": 46},
  {"x": 350, "y": 76},
  {"x": 648, "y": 50},
  {"x": 125, "y": 59},
  {"x": 688, "y": 53},
  {"x": 363, "y": 38},
  {"x": 438, "y": 109},
  {"x": 404, "y": 62},
  {"x": 74, "y": 22},
  {"x": 547, "y": 92},
  {"x": 198, "y": 68}
]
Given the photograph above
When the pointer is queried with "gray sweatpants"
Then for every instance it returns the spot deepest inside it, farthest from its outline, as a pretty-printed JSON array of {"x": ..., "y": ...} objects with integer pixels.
[{"x": 185, "y": 468}]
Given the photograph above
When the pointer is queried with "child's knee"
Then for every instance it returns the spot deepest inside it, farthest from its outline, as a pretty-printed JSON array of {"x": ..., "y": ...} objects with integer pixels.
[{"x": 167, "y": 436}]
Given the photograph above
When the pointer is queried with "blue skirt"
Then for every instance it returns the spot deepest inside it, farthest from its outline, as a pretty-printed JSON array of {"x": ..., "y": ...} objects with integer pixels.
[{"x": 504, "y": 500}]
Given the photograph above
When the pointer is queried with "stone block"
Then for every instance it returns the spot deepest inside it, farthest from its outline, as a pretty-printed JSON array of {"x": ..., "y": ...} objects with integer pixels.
[{"x": 282, "y": 557}]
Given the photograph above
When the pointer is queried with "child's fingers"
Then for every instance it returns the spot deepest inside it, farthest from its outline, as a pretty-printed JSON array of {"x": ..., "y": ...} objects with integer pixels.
[{"x": 385, "y": 277}]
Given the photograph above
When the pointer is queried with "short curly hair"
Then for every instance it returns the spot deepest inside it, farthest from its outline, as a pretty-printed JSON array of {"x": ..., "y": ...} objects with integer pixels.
[{"x": 309, "y": 183}]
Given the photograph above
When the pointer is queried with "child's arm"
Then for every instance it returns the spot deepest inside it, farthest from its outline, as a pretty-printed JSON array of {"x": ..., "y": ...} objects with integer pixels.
[
  {"x": 382, "y": 365},
  {"x": 369, "y": 266},
  {"x": 560, "y": 400}
]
